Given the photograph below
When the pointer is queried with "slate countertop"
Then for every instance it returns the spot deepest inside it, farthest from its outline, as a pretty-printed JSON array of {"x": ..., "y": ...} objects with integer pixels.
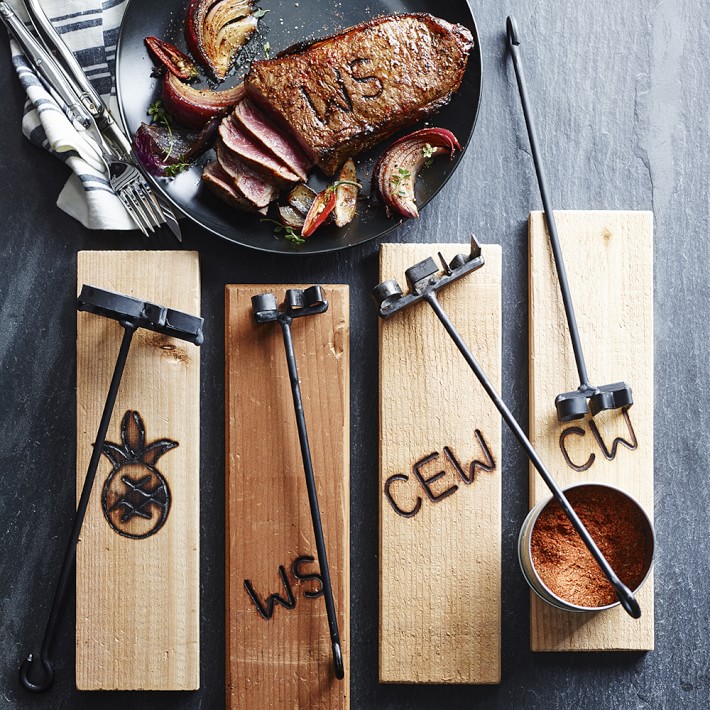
[{"x": 621, "y": 92}]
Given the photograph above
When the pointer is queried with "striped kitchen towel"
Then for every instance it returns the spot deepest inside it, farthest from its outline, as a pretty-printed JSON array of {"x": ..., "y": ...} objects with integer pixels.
[{"x": 90, "y": 30}]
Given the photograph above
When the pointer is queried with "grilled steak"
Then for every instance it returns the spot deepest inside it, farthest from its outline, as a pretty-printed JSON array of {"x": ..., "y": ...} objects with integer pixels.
[
  {"x": 344, "y": 94},
  {"x": 265, "y": 134},
  {"x": 249, "y": 152},
  {"x": 214, "y": 176},
  {"x": 252, "y": 187}
]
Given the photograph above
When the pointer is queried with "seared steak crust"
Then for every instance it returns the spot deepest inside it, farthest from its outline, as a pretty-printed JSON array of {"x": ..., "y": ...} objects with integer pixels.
[{"x": 342, "y": 95}]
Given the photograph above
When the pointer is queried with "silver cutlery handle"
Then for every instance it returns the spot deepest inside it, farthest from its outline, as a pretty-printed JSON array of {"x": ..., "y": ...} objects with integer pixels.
[
  {"x": 87, "y": 94},
  {"x": 45, "y": 66}
]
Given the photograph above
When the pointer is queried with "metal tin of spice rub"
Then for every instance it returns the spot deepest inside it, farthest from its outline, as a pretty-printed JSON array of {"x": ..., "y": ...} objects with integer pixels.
[{"x": 556, "y": 563}]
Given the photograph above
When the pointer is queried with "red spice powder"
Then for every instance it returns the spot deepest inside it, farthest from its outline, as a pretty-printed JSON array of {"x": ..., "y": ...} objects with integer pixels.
[{"x": 562, "y": 560}]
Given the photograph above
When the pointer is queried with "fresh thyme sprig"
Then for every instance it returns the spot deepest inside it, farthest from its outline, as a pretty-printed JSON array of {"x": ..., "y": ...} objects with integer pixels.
[
  {"x": 288, "y": 233},
  {"x": 398, "y": 179},
  {"x": 352, "y": 183},
  {"x": 175, "y": 169},
  {"x": 428, "y": 152},
  {"x": 159, "y": 115}
]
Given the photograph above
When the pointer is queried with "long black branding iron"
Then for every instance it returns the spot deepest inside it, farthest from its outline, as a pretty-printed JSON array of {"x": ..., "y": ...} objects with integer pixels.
[
  {"x": 424, "y": 280},
  {"x": 301, "y": 303},
  {"x": 570, "y": 405},
  {"x": 131, "y": 314}
]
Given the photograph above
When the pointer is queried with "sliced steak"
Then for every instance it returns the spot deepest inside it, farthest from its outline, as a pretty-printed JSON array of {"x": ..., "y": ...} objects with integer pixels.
[
  {"x": 342, "y": 95},
  {"x": 263, "y": 132},
  {"x": 221, "y": 184},
  {"x": 249, "y": 152},
  {"x": 251, "y": 186}
]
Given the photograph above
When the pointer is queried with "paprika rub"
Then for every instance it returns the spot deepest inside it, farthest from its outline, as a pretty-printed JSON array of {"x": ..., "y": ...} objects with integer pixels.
[{"x": 565, "y": 565}]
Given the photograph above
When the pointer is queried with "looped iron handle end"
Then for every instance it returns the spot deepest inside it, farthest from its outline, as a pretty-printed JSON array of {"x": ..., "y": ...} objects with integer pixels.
[
  {"x": 628, "y": 601},
  {"x": 25, "y": 669},
  {"x": 338, "y": 661}
]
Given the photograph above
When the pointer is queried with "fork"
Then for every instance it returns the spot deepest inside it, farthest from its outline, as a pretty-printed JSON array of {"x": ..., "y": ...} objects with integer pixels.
[
  {"x": 132, "y": 189},
  {"x": 130, "y": 186},
  {"x": 137, "y": 197}
]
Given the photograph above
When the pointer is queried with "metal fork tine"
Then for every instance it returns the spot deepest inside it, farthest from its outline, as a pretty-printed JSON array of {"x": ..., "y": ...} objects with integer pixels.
[
  {"x": 138, "y": 197},
  {"x": 130, "y": 189},
  {"x": 150, "y": 204},
  {"x": 130, "y": 198},
  {"x": 131, "y": 211}
]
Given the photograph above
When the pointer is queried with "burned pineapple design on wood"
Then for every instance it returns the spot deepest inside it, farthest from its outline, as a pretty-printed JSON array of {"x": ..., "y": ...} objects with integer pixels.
[{"x": 136, "y": 496}]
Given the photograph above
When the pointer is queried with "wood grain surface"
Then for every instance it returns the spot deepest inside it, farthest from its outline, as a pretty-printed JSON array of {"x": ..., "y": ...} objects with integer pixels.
[
  {"x": 137, "y": 606},
  {"x": 440, "y": 543},
  {"x": 609, "y": 260},
  {"x": 623, "y": 126},
  {"x": 285, "y": 661}
]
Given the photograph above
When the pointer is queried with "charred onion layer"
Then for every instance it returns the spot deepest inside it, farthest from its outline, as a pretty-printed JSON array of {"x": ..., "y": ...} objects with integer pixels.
[
  {"x": 216, "y": 30},
  {"x": 192, "y": 107},
  {"x": 397, "y": 169}
]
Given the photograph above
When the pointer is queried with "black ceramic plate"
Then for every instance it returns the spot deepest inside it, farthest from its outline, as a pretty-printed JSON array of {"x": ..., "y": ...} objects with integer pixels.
[{"x": 286, "y": 23}]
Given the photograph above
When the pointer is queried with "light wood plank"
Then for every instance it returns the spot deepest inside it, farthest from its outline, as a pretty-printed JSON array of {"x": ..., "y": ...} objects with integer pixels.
[
  {"x": 440, "y": 567},
  {"x": 285, "y": 661},
  {"x": 137, "y": 607},
  {"x": 609, "y": 259}
]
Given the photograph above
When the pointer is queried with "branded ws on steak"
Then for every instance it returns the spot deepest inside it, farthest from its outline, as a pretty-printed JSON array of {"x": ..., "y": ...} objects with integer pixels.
[{"x": 342, "y": 95}]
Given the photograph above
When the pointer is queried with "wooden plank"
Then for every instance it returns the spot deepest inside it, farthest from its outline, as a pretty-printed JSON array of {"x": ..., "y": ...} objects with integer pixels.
[
  {"x": 137, "y": 600},
  {"x": 609, "y": 259},
  {"x": 440, "y": 537},
  {"x": 285, "y": 661}
]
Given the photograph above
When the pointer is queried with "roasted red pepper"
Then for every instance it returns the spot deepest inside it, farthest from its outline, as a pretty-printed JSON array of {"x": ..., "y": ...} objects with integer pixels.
[
  {"x": 172, "y": 59},
  {"x": 322, "y": 206}
]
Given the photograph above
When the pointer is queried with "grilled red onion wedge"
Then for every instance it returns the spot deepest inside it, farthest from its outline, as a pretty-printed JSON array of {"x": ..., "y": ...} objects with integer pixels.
[
  {"x": 160, "y": 146},
  {"x": 192, "y": 107},
  {"x": 216, "y": 31},
  {"x": 397, "y": 169}
]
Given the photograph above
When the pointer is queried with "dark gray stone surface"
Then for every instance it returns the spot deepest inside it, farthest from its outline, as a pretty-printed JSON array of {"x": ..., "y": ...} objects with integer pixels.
[{"x": 621, "y": 92}]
